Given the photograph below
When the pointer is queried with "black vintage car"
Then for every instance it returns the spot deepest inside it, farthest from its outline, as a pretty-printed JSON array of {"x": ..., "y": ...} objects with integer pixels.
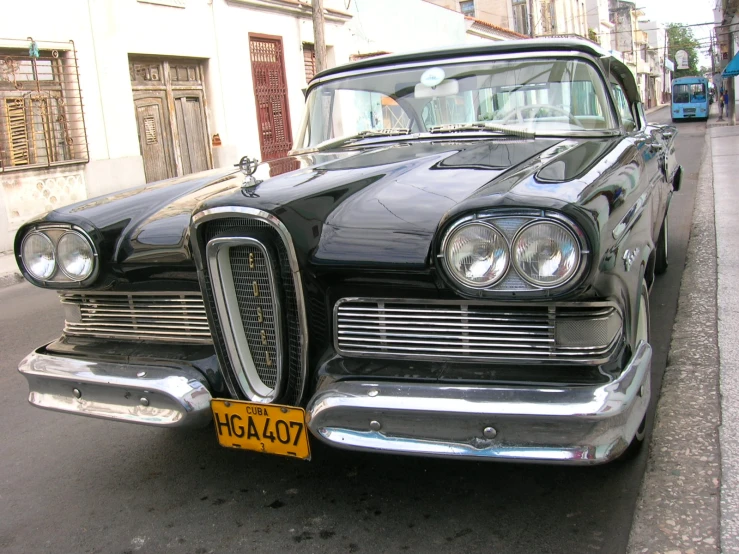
[{"x": 455, "y": 261}]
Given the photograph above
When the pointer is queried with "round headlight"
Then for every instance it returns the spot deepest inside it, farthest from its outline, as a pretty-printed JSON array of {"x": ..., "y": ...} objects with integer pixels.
[
  {"x": 546, "y": 254},
  {"x": 75, "y": 256},
  {"x": 38, "y": 255},
  {"x": 477, "y": 255}
]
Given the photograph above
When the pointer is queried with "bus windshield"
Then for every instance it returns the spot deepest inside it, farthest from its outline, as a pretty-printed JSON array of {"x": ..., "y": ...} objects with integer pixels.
[{"x": 689, "y": 93}]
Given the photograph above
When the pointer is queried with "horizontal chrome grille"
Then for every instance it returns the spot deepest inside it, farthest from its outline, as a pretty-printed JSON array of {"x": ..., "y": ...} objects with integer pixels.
[
  {"x": 476, "y": 331},
  {"x": 160, "y": 317}
]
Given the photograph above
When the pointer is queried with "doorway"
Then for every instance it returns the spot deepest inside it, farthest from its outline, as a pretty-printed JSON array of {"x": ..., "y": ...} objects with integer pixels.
[{"x": 169, "y": 98}]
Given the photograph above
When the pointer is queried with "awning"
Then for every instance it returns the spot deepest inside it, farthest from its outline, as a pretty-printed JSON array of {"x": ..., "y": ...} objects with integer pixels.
[{"x": 732, "y": 70}]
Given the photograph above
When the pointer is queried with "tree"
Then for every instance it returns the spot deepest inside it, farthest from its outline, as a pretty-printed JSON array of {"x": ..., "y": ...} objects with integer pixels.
[{"x": 682, "y": 38}]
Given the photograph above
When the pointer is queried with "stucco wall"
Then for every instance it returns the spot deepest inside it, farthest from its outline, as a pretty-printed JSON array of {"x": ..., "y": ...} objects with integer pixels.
[{"x": 105, "y": 33}]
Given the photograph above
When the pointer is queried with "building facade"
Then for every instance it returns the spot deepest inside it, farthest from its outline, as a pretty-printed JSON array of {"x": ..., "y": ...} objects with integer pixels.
[
  {"x": 97, "y": 96},
  {"x": 600, "y": 27},
  {"x": 659, "y": 84}
]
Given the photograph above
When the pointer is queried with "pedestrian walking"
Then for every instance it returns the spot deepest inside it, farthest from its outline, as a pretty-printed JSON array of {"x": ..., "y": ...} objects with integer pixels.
[
  {"x": 721, "y": 106},
  {"x": 726, "y": 102}
]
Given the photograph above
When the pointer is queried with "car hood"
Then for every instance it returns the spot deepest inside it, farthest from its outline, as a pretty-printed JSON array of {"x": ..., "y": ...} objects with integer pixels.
[{"x": 378, "y": 205}]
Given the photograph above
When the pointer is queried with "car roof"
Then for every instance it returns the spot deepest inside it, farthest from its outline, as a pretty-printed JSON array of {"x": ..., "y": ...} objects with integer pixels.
[
  {"x": 480, "y": 49},
  {"x": 490, "y": 48}
]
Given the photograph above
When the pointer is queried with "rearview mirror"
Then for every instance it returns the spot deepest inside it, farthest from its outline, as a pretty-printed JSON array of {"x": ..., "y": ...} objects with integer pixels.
[{"x": 447, "y": 88}]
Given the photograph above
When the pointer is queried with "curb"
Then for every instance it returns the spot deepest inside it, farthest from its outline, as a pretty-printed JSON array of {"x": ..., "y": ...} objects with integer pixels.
[
  {"x": 678, "y": 506},
  {"x": 10, "y": 279},
  {"x": 656, "y": 109}
]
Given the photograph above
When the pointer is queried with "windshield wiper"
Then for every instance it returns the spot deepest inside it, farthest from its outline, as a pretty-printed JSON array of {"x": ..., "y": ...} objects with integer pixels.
[
  {"x": 341, "y": 141},
  {"x": 483, "y": 126}
]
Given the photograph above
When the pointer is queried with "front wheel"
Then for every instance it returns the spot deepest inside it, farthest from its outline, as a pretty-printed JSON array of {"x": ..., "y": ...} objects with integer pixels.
[
  {"x": 642, "y": 334},
  {"x": 661, "y": 261}
]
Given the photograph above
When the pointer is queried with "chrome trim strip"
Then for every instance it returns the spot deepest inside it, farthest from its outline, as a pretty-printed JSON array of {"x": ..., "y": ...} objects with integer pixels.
[
  {"x": 579, "y": 425},
  {"x": 229, "y": 211},
  {"x": 229, "y": 314},
  {"x": 529, "y": 338},
  {"x": 630, "y": 218},
  {"x": 150, "y": 395}
]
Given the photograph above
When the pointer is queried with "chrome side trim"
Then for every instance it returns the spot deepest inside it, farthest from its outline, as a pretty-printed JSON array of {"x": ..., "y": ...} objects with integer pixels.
[
  {"x": 150, "y": 395},
  {"x": 579, "y": 425},
  {"x": 232, "y": 326},
  {"x": 229, "y": 211}
]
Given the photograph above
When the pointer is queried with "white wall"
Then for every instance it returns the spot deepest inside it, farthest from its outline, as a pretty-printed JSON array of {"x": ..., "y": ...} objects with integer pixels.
[
  {"x": 105, "y": 33},
  {"x": 403, "y": 26}
]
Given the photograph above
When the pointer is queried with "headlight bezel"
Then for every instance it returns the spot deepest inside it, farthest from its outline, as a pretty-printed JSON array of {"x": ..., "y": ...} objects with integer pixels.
[
  {"x": 59, "y": 278},
  {"x": 61, "y": 266},
  {"x": 451, "y": 234},
  {"x": 515, "y": 261},
  {"x": 26, "y": 237},
  {"x": 513, "y": 283}
]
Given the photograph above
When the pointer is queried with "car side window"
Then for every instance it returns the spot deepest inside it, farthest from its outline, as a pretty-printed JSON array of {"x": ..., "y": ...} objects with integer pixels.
[{"x": 622, "y": 105}]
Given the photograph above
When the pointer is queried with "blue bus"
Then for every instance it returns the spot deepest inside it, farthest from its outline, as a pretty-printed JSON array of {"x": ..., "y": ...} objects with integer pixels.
[{"x": 689, "y": 98}]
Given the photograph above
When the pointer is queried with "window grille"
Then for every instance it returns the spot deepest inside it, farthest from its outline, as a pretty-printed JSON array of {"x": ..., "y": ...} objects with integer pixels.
[
  {"x": 521, "y": 17},
  {"x": 309, "y": 61},
  {"x": 467, "y": 7},
  {"x": 41, "y": 112}
]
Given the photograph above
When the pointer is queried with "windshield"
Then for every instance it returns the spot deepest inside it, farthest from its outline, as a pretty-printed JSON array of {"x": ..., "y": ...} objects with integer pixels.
[
  {"x": 542, "y": 96},
  {"x": 686, "y": 94}
]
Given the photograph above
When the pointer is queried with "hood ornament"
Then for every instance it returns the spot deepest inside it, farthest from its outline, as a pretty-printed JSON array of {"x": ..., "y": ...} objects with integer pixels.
[{"x": 248, "y": 166}]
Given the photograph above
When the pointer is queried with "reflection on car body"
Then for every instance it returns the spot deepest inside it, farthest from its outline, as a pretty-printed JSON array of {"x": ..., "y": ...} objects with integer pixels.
[{"x": 454, "y": 261}]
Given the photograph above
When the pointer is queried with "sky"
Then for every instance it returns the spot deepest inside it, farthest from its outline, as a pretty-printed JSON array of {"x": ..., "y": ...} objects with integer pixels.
[{"x": 685, "y": 12}]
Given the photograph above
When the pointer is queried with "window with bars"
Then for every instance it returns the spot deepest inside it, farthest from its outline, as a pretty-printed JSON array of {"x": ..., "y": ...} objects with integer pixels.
[
  {"x": 521, "y": 17},
  {"x": 41, "y": 112},
  {"x": 309, "y": 61},
  {"x": 467, "y": 7}
]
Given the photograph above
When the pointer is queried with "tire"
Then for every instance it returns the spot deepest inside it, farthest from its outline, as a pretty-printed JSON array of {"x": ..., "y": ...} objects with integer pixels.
[
  {"x": 661, "y": 260},
  {"x": 642, "y": 333}
]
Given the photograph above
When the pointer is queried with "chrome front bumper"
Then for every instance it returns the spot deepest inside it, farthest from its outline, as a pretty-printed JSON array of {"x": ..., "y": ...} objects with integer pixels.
[
  {"x": 148, "y": 394},
  {"x": 572, "y": 425}
]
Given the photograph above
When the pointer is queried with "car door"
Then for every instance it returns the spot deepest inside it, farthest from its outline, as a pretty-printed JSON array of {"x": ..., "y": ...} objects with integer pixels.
[{"x": 651, "y": 154}]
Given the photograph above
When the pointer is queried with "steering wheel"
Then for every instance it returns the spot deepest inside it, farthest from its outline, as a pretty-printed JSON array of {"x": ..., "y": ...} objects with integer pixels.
[{"x": 520, "y": 110}]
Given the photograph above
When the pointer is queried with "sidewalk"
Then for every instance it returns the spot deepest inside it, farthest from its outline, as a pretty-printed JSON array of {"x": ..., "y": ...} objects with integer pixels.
[
  {"x": 9, "y": 273},
  {"x": 689, "y": 503}
]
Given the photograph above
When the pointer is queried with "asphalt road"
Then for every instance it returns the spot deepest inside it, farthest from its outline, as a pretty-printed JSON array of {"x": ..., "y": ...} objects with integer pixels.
[{"x": 77, "y": 485}]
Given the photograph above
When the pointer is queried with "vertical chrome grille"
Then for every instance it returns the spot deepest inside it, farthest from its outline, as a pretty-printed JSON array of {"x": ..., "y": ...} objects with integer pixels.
[
  {"x": 255, "y": 295},
  {"x": 245, "y": 292},
  {"x": 286, "y": 287}
]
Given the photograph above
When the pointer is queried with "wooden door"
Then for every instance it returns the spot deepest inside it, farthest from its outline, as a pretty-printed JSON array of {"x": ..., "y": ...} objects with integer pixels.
[
  {"x": 270, "y": 94},
  {"x": 190, "y": 118},
  {"x": 170, "y": 114},
  {"x": 155, "y": 138}
]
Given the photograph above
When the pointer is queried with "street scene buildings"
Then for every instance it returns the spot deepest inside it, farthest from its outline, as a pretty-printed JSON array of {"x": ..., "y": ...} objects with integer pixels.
[
  {"x": 138, "y": 91},
  {"x": 99, "y": 96}
]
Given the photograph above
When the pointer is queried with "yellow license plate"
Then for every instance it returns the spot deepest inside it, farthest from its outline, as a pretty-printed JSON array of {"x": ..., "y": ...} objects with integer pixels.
[{"x": 265, "y": 428}]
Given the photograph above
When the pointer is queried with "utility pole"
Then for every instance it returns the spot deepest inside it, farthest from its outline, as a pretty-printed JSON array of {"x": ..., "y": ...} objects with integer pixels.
[
  {"x": 318, "y": 39},
  {"x": 532, "y": 32},
  {"x": 664, "y": 70},
  {"x": 730, "y": 83}
]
